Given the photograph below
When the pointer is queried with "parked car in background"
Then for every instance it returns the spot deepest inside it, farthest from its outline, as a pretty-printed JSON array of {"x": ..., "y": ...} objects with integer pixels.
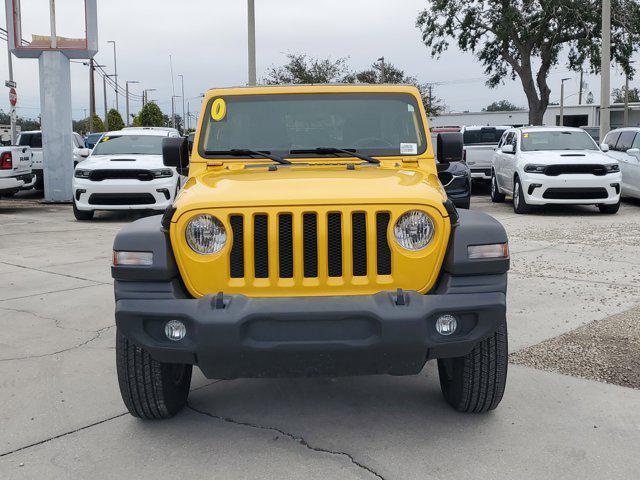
[
  {"x": 33, "y": 139},
  {"x": 125, "y": 172},
  {"x": 623, "y": 145},
  {"x": 455, "y": 176},
  {"x": 554, "y": 165},
  {"x": 593, "y": 131},
  {"x": 90, "y": 139},
  {"x": 15, "y": 169},
  {"x": 480, "y": 143}
]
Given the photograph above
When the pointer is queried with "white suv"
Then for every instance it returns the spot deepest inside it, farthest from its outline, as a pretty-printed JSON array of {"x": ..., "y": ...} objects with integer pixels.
[
  {"x": 623, "y": 145},
  {"x": 125, "y": 172},
  {"x": 559, "y": 165}
]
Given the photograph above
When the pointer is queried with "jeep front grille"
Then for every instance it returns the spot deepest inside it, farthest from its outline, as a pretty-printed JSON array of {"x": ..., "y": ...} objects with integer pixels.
[{"x": 328, "y": 233}]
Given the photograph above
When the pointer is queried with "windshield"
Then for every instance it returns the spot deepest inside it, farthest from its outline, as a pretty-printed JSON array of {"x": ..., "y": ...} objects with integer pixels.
[
  {"x": 557, "y": 140},
  {"x": 488, "y": 135},
  {"x": 129, "y": 144},
  {"x": 371, "y": 123}
]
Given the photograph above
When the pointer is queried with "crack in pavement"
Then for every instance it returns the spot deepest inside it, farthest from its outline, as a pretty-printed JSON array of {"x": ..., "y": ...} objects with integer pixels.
[
  {"x": 56, "y": 321},
  {"x": 82, "y": 344},
  {"x": 55, "y": 273},
  {"x": 582, "y": 280},
  {"x": 79, "y": 429},
  {"x": 52, "y": 291},
  {"x": 296, "y": 438}
]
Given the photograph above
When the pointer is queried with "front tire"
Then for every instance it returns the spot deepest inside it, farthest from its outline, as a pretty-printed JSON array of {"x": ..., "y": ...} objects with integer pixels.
[
  {"x": 475, "y": 383},
  {"x": 520, "y": 205},
  {"x": 609, "y": 209},
  {"x": 82, "y": 215},
  {"x": 496, "y": 196},
  {"x": 150, "y": 389},
  {"x": 463, "y": 203}
]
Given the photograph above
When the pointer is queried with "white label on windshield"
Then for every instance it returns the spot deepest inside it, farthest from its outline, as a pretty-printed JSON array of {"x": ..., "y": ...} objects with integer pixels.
[
  {"x": 408, "y": 148},
  {"x": 410, "y": 108}
]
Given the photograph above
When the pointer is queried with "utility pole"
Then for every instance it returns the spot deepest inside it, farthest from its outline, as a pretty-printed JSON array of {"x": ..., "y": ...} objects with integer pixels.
[
  {"x": 127, "y": 98},
  {"x": 12, "y": 111},
  {"x": 580, "y": 90},
  {"x": 145, "y": 96},
  {"x": 382, "y": 72},
  {"x": 605, "y": 69},
  {"x": 115, "y": 71},
  {"x": 561, "y": 122},
  {"x": 173, "y": 94},
  {"x": 188, "y": 117},
  {"x": 182, "y": 85},
  {"x": 92, "y": 94},
  {"x": 251, "y": 19},
  {"x": 104, "y": 89},
  {"x": 173, "y": 111}
]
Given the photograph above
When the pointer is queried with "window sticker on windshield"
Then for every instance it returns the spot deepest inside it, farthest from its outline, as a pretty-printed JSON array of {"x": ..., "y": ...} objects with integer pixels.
[
  {"x": 218, "y": 109},
  {"x": 410, "y": 108},
  {"x": 104, "y": 139},
  {"x": 408, "y": 148},
  {"x": 525, "y": 135}
]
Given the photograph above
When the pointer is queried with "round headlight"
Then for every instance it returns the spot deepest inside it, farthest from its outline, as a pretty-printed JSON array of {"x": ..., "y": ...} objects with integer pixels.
[
  {"x": 414, "y": 230},
  {"x": 206, "y": 234}
]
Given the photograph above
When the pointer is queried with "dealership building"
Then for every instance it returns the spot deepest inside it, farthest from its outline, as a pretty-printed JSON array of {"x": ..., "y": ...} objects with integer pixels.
[{"x": 574, "y": 116}]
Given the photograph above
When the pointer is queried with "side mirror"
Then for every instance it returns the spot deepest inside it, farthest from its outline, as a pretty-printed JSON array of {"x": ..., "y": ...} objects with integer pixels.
[
  {"x": 635, "y": 152},
  {"x": 84, "y": 152},
  {"x": 507, "y": 149},
  {"x": 449, "y": 147},
  {"x": 604, "y": 147},
  {"x": 175, "y": 153}
]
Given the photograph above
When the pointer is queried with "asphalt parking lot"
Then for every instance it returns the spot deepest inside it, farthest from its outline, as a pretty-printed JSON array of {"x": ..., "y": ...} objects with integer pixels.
[{"x": 62, "y": 415}]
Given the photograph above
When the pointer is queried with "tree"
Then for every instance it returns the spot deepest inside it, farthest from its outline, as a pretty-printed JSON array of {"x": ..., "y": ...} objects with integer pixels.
[
  {"x": 501, "y": 106},
  {"x": 388, "y": 73},
  {"x": 303, "y": 70},
  {"x": 524, "y": 38},
  {"x": 98, "y": 125},
  {"x": 150, "y": 116},
  {"x": 617, "y": 94},
  {"x": 114, "y": 120}
]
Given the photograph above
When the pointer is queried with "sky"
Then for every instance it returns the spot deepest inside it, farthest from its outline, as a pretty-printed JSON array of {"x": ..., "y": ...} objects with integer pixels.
[{"x": 207, "y": 40}]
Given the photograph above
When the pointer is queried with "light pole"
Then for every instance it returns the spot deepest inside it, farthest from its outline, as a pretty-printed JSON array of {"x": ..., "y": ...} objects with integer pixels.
[
  {"x": 173, "y": 110},
  {"x": 626, "y": 99},
  {"x": 561, "y": 123},
  {"x": 126, "y": 100},
  {"x": 605, "y": 69},
  {"x": 251, "y": 20},
  {"x": 12, "y": 111},
  {"x": 182, "y": 88},
  {"x": 115, "y": 70},
  {"x": 382, "y": 72}
]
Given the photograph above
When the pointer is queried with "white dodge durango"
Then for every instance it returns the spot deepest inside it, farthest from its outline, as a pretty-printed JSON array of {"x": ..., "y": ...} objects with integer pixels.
[
  {"x": 125, "y": 172},
  {"x": 554, "y": 165}
]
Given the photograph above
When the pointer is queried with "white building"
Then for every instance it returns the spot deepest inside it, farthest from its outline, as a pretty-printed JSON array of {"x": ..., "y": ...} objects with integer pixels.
[{"x": 574, "y": 116}]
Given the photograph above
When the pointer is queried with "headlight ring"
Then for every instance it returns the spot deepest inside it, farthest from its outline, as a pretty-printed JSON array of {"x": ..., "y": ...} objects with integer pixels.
[
  {"x": 414, "y": 230},
  {"x": 205, "y": 234}
]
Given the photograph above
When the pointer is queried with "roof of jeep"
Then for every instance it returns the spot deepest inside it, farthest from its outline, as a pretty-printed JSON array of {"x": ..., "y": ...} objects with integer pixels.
[{"x": 312, "y": 88}]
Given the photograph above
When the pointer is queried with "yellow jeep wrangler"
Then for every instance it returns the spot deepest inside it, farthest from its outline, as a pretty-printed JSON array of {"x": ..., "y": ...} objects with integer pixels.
[{"x": 313, "y": 237}]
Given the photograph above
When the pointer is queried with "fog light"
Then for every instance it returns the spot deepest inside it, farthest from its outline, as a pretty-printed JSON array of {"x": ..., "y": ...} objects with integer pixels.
[
  {"x": 446, "y": 324},
  {"x": 175, "y": 330}
]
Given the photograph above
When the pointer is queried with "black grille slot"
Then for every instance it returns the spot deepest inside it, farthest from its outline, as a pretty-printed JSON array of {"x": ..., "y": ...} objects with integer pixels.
[
  {"x": 130, "y": 174},
  {"x": 285, "y": 245},
  {"x": 384, "y": 252},
  {"x": 310, "y": 244},
  {"x": 237, "y": 250},
  {"x": 359, "y": 228},
  {"x": 575, "y": 193},
  {"x": 261, "y": 246},
  {"x": 121, "y": 199},
  {"x": 334, "y": 244},
  {"x": 555, "y": 170}
]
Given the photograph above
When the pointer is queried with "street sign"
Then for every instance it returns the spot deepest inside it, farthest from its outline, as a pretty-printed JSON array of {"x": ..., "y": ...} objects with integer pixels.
[
  {"x": 10, "y": 84},
  {"x": 13, "y": 97}
]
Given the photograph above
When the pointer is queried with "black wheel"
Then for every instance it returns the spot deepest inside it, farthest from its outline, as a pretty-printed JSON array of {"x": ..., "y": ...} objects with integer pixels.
[
  {"x": 609, "y": 209},
  {"x": 496, "y": 196},
  {"x": 519, "y": 202},
  {"x": 8, "y": 193},
  {"x": 39, "y": 185},
  {"x": 475, "y": 383},
  {"x": 463, "y": 203},
  {"x": 150, "y": 389},
  {"x": 82, "y": 214}
]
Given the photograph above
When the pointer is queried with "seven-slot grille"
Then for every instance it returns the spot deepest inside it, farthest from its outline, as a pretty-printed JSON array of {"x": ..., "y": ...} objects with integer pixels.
[
  {"x": 127, "y": 174},
  {"x": 562, "y": 169},
  {"x": 365, "y": 241}
]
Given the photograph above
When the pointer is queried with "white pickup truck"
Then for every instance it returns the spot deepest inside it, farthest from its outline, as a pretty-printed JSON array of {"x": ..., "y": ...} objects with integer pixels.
[
  {"x": 480, "y": 143},
  {"x": 15, "y": 169}
]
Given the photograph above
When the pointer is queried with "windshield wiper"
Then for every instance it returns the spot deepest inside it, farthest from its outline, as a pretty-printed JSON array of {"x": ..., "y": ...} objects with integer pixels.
[
  {"x": 242, "y": 152},
  {"x": 328, "y": 150}
]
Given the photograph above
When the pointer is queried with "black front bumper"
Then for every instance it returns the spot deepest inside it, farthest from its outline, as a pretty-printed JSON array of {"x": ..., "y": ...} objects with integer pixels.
[{"x": 237, "y": 336}]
